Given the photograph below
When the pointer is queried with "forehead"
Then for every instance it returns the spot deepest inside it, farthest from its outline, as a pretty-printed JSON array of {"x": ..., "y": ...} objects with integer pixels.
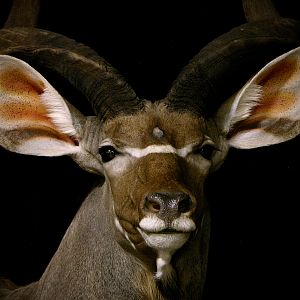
[{"x": 138, "y": 130}]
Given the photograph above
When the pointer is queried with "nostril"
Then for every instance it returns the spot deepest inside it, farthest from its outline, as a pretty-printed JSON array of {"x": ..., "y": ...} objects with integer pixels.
[
  {"x": 185, "y": 204},
  {"x": 152, "y": 205},
  {"x": 168, "y": 205}
]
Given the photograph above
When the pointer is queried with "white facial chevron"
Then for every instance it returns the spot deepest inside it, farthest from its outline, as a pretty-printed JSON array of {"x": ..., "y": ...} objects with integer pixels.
[
  {"x": 120, "y": 163},
  {"x": 141, "y": 152}
]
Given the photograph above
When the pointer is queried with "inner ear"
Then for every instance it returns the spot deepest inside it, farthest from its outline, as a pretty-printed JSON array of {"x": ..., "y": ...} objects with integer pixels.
[
  {"x": 267, "y": 109},
  {"x": 34, "y": 118},
  {"x": 276, "y": 94}
]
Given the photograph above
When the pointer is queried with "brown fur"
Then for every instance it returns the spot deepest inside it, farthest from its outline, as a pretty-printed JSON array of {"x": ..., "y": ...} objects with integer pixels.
[
  {"x": 145, "y": 283},
  {"x": 155, "y": 172},
  {"x": 179, "y": 129}
]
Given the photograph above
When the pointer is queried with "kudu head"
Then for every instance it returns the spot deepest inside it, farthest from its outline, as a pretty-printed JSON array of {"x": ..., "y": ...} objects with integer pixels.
[{"x": 154, "y": 155}]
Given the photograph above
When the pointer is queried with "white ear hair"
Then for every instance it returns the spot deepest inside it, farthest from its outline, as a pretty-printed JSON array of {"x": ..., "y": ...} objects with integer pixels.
[
  {"x": 245, "y": 101},
  {"x": 58, "y": 111},
  {"x": 266, "y": 110}
]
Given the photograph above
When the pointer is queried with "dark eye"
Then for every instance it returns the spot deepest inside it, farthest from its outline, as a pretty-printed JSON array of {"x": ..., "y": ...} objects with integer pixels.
[
  {"x": 206, "y": 151},
  {"x": 107, "y": 153}
]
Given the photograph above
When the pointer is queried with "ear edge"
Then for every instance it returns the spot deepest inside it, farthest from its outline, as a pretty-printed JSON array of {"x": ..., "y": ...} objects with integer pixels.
[
  {"x": 249, "y": 97},
  {"x": 58, "y": 111}
]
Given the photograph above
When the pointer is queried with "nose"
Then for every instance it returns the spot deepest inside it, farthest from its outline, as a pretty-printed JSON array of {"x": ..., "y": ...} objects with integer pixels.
[{"x": 168, "y": 206}]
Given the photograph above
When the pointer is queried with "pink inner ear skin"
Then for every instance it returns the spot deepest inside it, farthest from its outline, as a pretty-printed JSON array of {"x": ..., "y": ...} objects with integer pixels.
[
  {"x": 14, "y": 81},
  {"x": 21, "y": 106},
  {"x": 24, "y": 110},
  {"x": 20, "y": 97},
  {"x": 276, "y": 97},
  {"x": 274, "y": 104},
  {"x": 25, "y": 113}
]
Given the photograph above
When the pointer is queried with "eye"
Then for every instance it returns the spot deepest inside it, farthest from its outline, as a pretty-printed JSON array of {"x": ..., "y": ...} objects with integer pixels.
[
  {"x": 206, "y": 151},
  {"x": 107, "y": 153}
]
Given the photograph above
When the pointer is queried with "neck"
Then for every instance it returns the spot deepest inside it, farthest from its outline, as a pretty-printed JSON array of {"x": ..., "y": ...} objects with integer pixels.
[{"x": 90, "y": 261}]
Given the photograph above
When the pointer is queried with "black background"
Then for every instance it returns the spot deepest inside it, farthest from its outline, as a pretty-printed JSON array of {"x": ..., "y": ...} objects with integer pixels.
[{"x": 253, "y": 197}]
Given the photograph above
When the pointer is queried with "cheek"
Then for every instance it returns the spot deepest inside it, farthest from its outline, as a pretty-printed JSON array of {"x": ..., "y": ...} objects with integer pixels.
[
  {"x": 124, "y": 186},
  {"x": 118, "y": 166},
  {"x": 127, "y": 189},
  {"x": 197, "y": 170}
]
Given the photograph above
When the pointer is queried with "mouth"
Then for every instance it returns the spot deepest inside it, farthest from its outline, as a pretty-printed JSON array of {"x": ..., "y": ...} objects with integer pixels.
[
  {"x": 161, "y": 231},
  {"x": 167, "y": 239},
  {"x": 169, "y": 231},
  {"x": 153, "y": 224}
]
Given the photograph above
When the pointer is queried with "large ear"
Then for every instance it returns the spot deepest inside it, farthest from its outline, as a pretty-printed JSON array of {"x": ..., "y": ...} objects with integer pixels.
[
  {"x": 266, "y": 110},
  {"x": 34, "y": 118}
]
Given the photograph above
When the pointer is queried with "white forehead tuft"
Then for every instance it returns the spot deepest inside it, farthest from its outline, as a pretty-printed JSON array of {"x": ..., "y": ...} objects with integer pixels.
[{"x": 158, "y": 133}]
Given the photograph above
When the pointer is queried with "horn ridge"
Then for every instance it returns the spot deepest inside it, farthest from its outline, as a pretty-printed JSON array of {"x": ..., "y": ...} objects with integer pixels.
[
  {"x": 103, "y": 86},
  {"x": 226, "y": 63}
]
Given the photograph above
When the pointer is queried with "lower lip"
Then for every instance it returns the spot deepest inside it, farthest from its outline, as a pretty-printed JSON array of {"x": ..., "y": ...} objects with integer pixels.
[{"x": 165, "y": 240}]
